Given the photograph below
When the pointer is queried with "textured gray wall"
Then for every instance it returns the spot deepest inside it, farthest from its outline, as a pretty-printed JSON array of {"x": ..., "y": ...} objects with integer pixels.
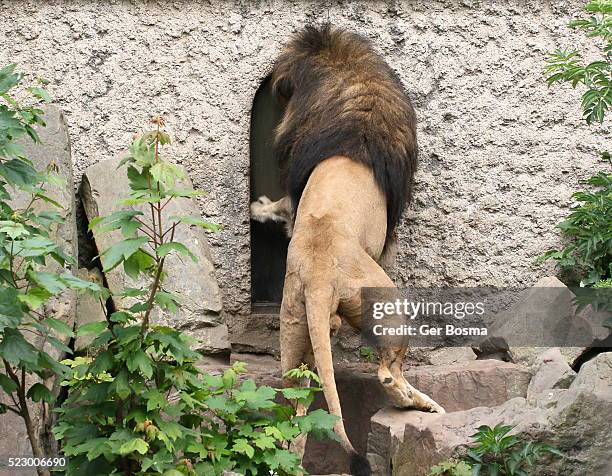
[{"x": 500, "y": 153}]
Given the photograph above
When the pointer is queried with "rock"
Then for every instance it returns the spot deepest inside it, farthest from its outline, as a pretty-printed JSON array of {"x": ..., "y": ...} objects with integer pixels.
[
  {"x": 455, "y": 387},
  {"x": 595, "y": 375},
  {"x": 195, "y": 283},
  {"x": 89, "y": 308},
  {"x": 574, "y": 420},
  {"x": 54, "y": 153},
  {"x": 471, "y": 384},
  {"x": 451, "y": 355},
  {"x": 386, "y": 435},
  {"x": 256, "y": 333},
  {"x": 551, "y": 372},
  {"x": 544, "y": 314}
]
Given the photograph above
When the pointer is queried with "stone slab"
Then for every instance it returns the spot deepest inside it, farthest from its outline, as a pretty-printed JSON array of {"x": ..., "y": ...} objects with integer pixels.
[{"x": 195, "y": 283}]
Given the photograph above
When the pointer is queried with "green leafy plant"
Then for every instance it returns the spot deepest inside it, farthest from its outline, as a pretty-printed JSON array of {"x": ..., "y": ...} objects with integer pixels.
[
  {"x": 27, "y": 249},
  {"x": 568, "y": 66},
  {"x": 140, "y": 405},
  {"x": 368, "y": 353},
  {"x": 603, "y": 284},
  {"x": 589, "y": 231},
  {"x": 451, "y": 468},
  {"x": 496, "y": 453},
  {"x": 588, "y": 228}
]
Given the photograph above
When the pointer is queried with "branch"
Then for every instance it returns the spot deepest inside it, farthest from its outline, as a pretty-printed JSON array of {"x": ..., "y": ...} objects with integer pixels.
[
  {"x": 171, "y": 229},
  {"x": 167, "y": 202},
  {"x": 149, "y": 303},
  {"x": 146, "y": 225}
]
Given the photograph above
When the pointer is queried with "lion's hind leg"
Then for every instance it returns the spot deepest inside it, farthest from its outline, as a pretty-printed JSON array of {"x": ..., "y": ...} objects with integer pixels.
[
  {"x": 401, "y": 393},
  {"x": 296, "y": 349},
  {"x": 390, "y": 372}
]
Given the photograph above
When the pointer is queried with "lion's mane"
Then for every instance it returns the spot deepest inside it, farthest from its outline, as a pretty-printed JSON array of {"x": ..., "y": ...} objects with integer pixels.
[{"x": 343, "y": 99}]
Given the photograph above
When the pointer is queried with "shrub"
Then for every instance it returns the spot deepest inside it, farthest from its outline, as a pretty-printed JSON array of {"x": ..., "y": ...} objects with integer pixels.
[
  {"x": 588, "y": 228},
  {"x": 451, "y": 468},
  {"x": 141, "y": 405},
  {"x": 27, "y": 251},
  {"x": 496, "y": 453}
]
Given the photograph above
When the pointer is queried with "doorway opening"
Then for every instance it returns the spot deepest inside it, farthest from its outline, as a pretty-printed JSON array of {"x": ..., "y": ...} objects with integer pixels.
[{"x": 269, "y": 241}]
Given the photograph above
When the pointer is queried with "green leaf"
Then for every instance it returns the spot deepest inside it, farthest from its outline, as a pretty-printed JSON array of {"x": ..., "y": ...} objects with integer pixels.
[
  {"x": 135, "y": 445},
  {"x": 283, "y": 459},
  {"x": 242, "y": 446},
  {"x": 10, "y": 309},
  {"x": 7, "y": 384},
  {"x": 41, "y": 94},
  {"x": 196, "y": 221},
  {"x": 298, "y": 393},
  {"x": 138, "y": 180},
  {"x": 16, "y": 350},
  {"x": 155, "y": 400},
  {"x": 142, "y": 153},
  {"x": 122, "y": 219},
  {"x": 185, "y": 193},
  {"x": 59, "y": 326},
  {"x": 36, "y": 246},
  {"x": 265, "y": 442},
  {"x": 319, "y": 423},
  {"x": 38, "y": 392},
  {"x": 166, "y": 173},
  {"x": 163, "y": 250},
  {"x": 52, "y": 282},
  {"x": 138, "y": 263},
  {"x": 35, "y": 297},
  {"x": 8, "y": 78},
  {"x": 59, "y": 345},
  {"x": 103, "y": 362},
  {"x": 13, "y": 229},
  {"x": 141, "y": 361},
  {"x": 121, "y": 251},
  {"x": 121, "y": 384},
  {"x": 133, "y": 292},
  {"x": 261, "y": 398},
  {"x": 171, "y": 429},
  {"x": 85, "y": 285},
  {"x": 19, "y": 173},
  {"x": 167, "y": 301},
  {"x": 91, "y": 328}
]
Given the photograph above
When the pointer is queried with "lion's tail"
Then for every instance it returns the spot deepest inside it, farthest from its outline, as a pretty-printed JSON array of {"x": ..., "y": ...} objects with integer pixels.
[{"x": 318, "y": 311}]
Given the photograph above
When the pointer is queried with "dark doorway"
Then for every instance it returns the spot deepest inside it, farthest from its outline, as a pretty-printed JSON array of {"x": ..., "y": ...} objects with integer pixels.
[{"x": 268, "y": 240}]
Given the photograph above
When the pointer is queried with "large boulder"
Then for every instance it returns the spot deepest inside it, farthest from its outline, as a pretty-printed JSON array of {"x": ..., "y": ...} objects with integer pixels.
[
  {"x": 576, "y": 420},
  {"x": 551, "y": 372},
  {"x": 455, "y": 387},
  {"x": 369, "y": 419},
  {"x": 543, "y": 317},
  {"x": 53, "y": 153},
  {"x": 194, "y": 282},
  {"x": 89, "y": 308}
]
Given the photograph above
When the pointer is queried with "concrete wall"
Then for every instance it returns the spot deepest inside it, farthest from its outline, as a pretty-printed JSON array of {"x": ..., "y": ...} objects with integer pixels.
[{"x": 500, "y": 153}]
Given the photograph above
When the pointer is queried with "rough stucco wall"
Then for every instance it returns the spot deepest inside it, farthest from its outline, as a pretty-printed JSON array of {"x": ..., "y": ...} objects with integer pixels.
[{"x": 500, "y": 153}]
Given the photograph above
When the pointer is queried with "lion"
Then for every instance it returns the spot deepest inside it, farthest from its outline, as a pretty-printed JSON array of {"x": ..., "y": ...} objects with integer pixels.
[{"x": 347, "y": 143}]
